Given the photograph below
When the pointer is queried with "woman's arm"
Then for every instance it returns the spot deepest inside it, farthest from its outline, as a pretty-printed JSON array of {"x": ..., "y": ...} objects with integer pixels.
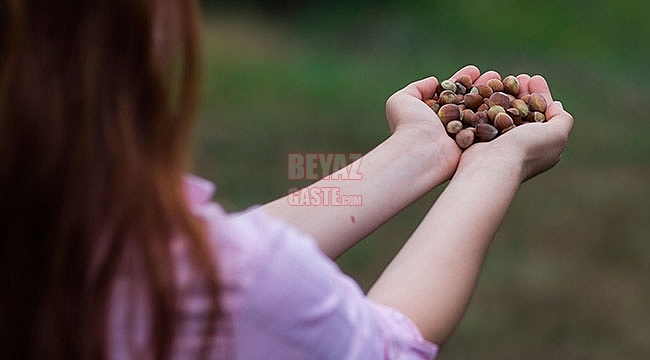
[
  {"x": 417, "y": 157},
  {"x": 432, "y": 278},
  {"x": 394, "y": 174}
]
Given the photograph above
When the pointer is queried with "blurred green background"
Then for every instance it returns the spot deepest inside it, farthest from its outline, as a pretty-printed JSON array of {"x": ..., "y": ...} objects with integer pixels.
[{"x": 567, "y": 275}]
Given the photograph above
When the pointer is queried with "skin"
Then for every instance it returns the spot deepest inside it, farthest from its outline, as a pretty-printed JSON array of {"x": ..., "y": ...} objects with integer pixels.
[{"x": 432, "y": 277}]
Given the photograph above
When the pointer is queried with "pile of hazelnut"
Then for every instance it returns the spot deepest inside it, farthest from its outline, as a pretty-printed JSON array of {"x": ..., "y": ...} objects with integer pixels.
[{"x": 481, "y": 112}]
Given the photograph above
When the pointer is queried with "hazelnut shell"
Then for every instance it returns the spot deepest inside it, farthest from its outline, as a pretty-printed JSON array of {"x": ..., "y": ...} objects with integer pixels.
[
  {"x": 469, "y": 117},
  {"x": 495, "y": 84},
  {"x": 449, "y": 112},
  {"x": 465, "y": 138},
  {"x": 473, "y": 100},
  {"x": 521, "y": 106},
  {"x": 499, "y": 98},
  {"x": 486, "y": 132},
  {"x": 503, "y": 122},
  {"x": 511, "y": 85},
  {"x": 484, "y": 90},
  {"x": 454, "y": 126},
  {"x": 465, "y": 80},
  {"x": 494, "y": 110},
  {"x": 537, "y": 102},
  {"x": 447, "y": 97},
  {"x": 448, "y": 85}
]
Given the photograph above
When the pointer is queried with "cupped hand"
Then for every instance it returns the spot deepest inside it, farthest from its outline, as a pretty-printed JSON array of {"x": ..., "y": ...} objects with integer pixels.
[
  {"x": 531, "y": 148},
  {"x": 408, "y": 114}
]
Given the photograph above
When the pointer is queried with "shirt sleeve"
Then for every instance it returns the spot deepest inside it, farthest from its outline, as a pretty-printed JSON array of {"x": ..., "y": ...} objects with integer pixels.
[{"x": 300, "y": 305}]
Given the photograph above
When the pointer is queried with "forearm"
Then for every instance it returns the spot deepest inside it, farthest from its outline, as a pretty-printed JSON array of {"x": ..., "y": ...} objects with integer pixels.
[
  {"x": 432, "y": 278},
  {"x": 394, "y": 174}
]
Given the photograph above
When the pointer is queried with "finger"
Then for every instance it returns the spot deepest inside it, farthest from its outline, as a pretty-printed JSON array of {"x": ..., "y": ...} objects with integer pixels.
[
  {"x": 487, "y": 76},
  {"x": 421, "y": 89},
  {"x": 559, "y": 118},
  {"x": 470, "y": 70},
  {"x": 554, "y": 109},
  {"x": 537, "y": 84},
  {"x": 523, "y": 79}
]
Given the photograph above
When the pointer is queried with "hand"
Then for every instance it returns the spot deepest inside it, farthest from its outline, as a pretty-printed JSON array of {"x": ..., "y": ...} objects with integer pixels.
[
  {"x": 408, "y": 114},
  {"x": 529, "y": 149}
]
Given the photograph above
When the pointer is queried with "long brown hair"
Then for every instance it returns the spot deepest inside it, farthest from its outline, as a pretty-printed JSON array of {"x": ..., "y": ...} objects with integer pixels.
[{"x": 97, "y": 99}]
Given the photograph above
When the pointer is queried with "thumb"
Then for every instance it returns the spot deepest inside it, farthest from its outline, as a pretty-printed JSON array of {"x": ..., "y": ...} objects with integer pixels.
[{"x": 559, "y": 118}]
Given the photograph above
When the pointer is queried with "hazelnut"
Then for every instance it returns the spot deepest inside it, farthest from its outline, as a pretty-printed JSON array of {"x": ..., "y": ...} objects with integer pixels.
[
  {"x": 499, "y": 98},
  {"x": 484, "y": 90},
  {"x": 460, "y": 89},
  {"x": 447, "y": 97},
  {"x": 538, "y": 116},
  {"x": 513, "y": 112},
  {"x": 465, "y": 138},
  {"x": 473, "y": 100},
  {"x": 503, "y": 122},
  {"x": 468, "y": 117},
  {"x": 465, "y": 80},
  {"x": 482, "y": 117},
  {"x": 494, "y": 110},
  {"x": 454, "y": 126},
  {"x": 486, "y": 132},
  {"x": 482, "y": 112},
  {"x": 537, "y": 102},
  {"x": 495, "y": 84},
  {"x": 448, "y": 112},
  {"x": 511, "y": 85},
  {"x": 448, "y": 85},
  {"x": 521, "y": 106},
  {"x": 515, "y": 115}
]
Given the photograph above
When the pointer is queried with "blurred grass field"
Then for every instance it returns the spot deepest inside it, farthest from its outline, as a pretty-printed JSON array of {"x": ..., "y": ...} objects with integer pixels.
[{"x": 567, "y": 275}]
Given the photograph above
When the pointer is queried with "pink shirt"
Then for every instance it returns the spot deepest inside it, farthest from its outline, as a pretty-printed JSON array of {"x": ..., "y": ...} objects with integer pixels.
[{"x": 283, "y": 297}]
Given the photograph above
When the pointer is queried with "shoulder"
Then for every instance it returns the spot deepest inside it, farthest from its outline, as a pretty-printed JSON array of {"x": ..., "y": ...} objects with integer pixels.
[
  {"x": 246, "y": 243},
  {"x": 248, "y": 234}
]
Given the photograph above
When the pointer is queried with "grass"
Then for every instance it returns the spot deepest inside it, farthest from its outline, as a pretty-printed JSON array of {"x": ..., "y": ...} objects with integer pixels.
[{"x": 567, "y": 274}]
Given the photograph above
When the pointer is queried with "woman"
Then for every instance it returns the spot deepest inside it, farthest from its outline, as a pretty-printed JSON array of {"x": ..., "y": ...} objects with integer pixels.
[{"x": 110, "y": 251}]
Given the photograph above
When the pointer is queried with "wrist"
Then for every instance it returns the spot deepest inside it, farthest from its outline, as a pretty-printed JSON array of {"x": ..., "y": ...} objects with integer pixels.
[
  {"x": 493, "y": 160},
  {"x": 435, "y": 156}
]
